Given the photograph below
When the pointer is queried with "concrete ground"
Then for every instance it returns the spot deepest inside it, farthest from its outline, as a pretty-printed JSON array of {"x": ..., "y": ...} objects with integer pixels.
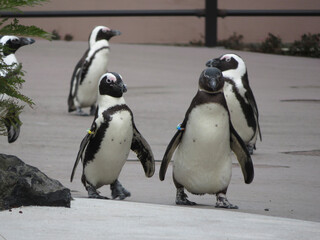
[{"x": 283, "y": 198}]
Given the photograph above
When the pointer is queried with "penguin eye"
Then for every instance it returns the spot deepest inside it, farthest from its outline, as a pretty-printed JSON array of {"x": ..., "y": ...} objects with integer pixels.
[
  {"x": 108, "y": 80},
  {"x": 228, "y": 59}
]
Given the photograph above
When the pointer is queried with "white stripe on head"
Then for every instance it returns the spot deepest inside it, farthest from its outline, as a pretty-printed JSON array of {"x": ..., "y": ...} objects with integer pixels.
[
  {"x": 5, "y": 38},
  {"x": 94, "y": 33},
  {"x": 234, "y": 73}
]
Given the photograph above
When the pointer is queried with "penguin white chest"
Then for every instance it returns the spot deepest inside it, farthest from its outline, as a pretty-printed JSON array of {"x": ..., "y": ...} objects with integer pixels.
[
  {"x": 87, "y": 91},
  {"x": 202, "y": 162},
  {"x": 113, "y": 152},
  {"x": 237, "y": 115}
]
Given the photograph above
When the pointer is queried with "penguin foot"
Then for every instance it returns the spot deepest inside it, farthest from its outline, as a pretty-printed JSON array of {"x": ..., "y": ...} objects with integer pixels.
[
  {"x": 118, "y": 191},
  {"x": 93, "y": 110},
  {"x": 250, "y": 148},
  {"x": 182, "y": 198},
  {"x": 222, "y": 202},
  {"x": 79, "y": 112},
  {"x": 93, "y": 193}
]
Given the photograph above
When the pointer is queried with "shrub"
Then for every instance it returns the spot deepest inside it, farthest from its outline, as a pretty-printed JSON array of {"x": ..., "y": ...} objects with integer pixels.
[
  {"x": 233, "y": 42},
  {"x": 308, "y": 46},
  {"x": 272, "y": 44}
]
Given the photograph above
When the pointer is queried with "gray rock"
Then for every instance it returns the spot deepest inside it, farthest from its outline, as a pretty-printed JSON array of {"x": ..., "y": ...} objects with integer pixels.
[{"x": 24, "y": 185}]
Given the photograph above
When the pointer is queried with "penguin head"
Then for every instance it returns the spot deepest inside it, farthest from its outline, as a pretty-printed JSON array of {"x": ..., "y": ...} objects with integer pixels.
[
  {"x": 102, "y": 33},
  {"x": 111, "y": 84},
  {"x": 12, "y": 43},
  {"x": 211, "y": 80},
  {"x": 229, "y": 64}
]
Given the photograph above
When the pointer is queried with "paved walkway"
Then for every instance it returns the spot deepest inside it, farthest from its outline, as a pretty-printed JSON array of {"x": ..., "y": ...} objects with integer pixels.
[{"x": 161, "y": 81}]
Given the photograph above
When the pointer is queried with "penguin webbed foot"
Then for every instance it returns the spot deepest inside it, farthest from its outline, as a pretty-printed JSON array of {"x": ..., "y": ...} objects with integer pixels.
[
  {"x": 93, "y": 193},
  {"x": 93, "y": 110},
  {"x": 182, "y": 198},
  {"x": 250, "y": 148},
  {"x": 222, "y": 202},
  {"x": 81, "y": 113},
  {"x": 118, "y": 191}
]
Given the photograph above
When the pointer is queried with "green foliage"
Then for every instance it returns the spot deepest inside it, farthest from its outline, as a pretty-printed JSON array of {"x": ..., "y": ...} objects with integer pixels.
[
  {"x": 272, "y": 44},
  {"x": 55, "y": 35},
  {"x": 14, "y": 28},
  {"x": 9, "y": 113},
  {"x": 12, "y": 83},
  {"x": 233, "y": 42},
  {"x": 309, "y": 45},
  {"x": 12, "y": 5},
  {"x": 11, "y": 77}
]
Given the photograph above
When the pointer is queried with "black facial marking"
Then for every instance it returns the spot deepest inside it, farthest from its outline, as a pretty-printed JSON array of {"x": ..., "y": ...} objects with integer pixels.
[
  {"x": 14, "y": 43},
  {"x": 106, "y": 34},
  {"x": 211, "y": 80},
  {"x": 108, "y": 86},
  {"x": 223, "y": 64}
]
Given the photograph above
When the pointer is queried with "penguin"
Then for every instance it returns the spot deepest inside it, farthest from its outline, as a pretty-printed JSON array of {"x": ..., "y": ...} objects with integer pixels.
[
  {"x": 203, "y": 143},
  {"x": 89, "y": 69},
  {"x": 240, "y": 99},
  {"x": 9, "y": 46},
  {"x": 106, "y": 147}
]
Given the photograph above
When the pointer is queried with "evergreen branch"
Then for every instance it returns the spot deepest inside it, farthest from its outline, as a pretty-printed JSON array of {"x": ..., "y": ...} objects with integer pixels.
[
  {"x": 9, "y": 114},
  {"x": 11, "y": 83},
  {"x": 17, "y": 29},
  {"x": 8, "y": 5}
]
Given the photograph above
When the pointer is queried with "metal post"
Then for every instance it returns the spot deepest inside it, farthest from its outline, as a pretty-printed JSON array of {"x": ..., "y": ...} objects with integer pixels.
[{"x": 211, "y": 23}]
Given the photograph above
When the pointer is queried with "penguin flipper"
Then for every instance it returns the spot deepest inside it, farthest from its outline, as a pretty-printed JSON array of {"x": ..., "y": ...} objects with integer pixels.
[
  {"x": 13, "y": 130},
  {"x": 85, "y": 141},
  {"x": 79, "y": 72},
  {"x": 175, "y": 141},
  {"x": 239, "y": 148},
  {"x": 250, "y": 97},
  {"x": 144, "y": 153}
]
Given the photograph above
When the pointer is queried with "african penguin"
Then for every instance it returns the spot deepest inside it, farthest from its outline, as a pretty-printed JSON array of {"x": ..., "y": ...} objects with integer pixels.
[
  {"x": 240, "y": 99},
  {"x": 106, "y": 147},
  {"x": 203, "y": 143},
  {"x": 10, "y": 44},
  {"x": 89, "y": 69}
]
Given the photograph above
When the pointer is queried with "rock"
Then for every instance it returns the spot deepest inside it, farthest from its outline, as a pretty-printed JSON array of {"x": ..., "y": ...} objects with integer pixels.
[{"x": 24, "y": 185}]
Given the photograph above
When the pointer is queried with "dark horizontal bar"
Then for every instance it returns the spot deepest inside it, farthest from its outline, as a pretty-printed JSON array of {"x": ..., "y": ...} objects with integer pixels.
[
  {"x": 160, "y": 13},
  {"x": 104, "y": 13},
  {"x": 268, "y": 13}
]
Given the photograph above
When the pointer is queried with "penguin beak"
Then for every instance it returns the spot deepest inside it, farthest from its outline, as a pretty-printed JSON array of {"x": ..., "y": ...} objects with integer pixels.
[
  {"x": 216, "y": 83},
  {"x": 115, "y": 32},
  {"x": 213, "y": 63},
  {"x": 112, "y": 33},
  {"x": 213, "y": 83},
  {"x": 124, "y": 88},
  {"x": 26, "y": 41}
]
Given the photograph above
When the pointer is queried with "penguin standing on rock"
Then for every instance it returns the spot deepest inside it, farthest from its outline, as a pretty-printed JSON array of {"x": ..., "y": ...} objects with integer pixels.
[
  {"x": 10, "y": 44},
  {"x": 89, "y": 69},
  {"x": 240, "y": 99},
  {"x": 106, "y": 147},
  {"x": 202, "y": 162}
]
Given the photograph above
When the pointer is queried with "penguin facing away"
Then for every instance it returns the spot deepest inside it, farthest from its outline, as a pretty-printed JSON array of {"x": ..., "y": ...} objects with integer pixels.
[
  {"x": 105, "y": 148},
  {"x": 202, "y": 162},
  {"x": 239, "y": 96},
  {"x": 10, "y": 45},
  {"x": 89, "y": 69}
]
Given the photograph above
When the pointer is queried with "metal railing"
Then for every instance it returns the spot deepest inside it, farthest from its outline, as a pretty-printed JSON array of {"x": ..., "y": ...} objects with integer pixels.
[{"x": 210, "y": 13}]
